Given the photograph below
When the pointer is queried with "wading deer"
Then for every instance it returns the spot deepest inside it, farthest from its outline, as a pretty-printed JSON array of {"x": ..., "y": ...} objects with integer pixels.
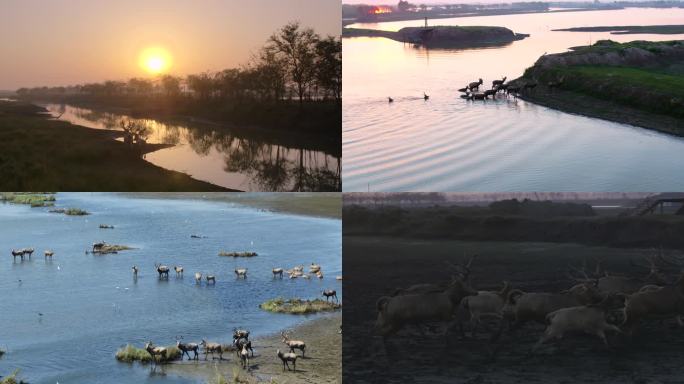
[{"x": 330, "y": 293}]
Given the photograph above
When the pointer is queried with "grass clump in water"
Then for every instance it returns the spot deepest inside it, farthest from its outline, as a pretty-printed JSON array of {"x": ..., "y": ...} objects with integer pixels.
[
  {"x": 298, "y": 306},
  {"x": 130, "y": 354},
  {"x": 32, "y": 199},
  {"x": 12, "y": 379},
  {"x": 238, "y": 254},
  {"x": 70, "y": 211}
]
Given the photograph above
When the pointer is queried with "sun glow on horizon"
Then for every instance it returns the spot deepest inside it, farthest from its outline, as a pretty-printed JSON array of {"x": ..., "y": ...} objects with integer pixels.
[{"x": 155, "y": 60}]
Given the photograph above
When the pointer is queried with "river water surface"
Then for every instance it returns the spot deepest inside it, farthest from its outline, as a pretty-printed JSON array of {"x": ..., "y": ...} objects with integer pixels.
[
  {"x": 246, "y": 162},
  {"x": 91, "y": 305},
  {"x": 449, "y": 144}
]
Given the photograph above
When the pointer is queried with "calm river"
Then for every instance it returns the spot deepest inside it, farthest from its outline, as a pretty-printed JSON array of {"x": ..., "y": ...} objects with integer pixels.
[
  {"x": 246, "y": 162},
  {"x": 448, "y": 144},
  {"x": 91, "y": 305}
]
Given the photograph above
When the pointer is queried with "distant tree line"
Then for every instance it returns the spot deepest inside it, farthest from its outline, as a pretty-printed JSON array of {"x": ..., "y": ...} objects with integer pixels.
[{"x": 296, "y": 65}]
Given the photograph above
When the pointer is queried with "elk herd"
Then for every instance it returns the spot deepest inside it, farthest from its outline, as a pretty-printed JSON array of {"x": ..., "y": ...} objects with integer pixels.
[
  {"x": 242, "y": 345},
  {"x": 512, "y": 88},
  {"x": 515, "y": 88},
  {"x": 596, "y": 302}
]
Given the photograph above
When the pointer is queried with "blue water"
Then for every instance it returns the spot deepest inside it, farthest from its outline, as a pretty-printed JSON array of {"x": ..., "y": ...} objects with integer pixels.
[{"x": 91, "y": 304}]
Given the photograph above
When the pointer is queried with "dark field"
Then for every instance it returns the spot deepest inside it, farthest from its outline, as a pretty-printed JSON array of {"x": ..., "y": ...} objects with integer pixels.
[{"x": 376, "y": 266}]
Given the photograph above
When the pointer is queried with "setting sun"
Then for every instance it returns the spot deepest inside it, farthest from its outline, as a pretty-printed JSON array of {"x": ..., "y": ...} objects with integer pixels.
[{"x": 155, "y": 60}]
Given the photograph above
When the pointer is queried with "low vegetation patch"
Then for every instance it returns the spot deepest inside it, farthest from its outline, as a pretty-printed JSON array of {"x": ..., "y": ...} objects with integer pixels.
[
  {"x": 638, "y": 82},
  {"x": 32, "y": 199},
  {"x": 12, "y": 379},
  {"x": 130, "y": 354},
  {"x": 298, "y": 306},
  {"x": 111, "y": 248},
  {"x": 70, "y": 211},
  {"x": 237, "y": 254},
  {"x": 105, "y": 226}
]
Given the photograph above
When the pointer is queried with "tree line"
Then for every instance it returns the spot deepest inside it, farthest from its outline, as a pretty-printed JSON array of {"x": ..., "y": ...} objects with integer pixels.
[{"x": 295, "y": 64}]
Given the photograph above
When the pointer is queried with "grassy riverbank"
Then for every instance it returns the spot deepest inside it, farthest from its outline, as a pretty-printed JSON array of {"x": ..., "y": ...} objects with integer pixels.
[
  {"x": 320, "y": 204},
  {"x": 639, "y": 83},
  {"x": 631, "y": 29},
  {"x": 27, "y": 198},
  {"x": 37, "y": 153}
]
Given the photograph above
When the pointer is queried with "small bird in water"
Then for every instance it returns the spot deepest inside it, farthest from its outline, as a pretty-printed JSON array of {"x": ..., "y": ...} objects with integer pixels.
[
  {"x": 425, "y": 97},
  {"x": 390, "y": 100}
]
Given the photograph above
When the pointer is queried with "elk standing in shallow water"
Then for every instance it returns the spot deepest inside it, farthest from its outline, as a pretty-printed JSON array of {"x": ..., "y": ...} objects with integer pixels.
[
  {"x": 498, "y": 82},
  {"x": 135, "y": 271},
  {"x": 163, "y": 270},
  {"x": 328, "y": 293},
  {"x": 198, "y": 278},
  {"x": 186, "y": 347},
  {"x": 155, "y": 351},
  {"x": 49, "y": 253},
  {"x": 211, "y": 278},
  {"x": 212, "y": 348},
  {"x": 475, "y": 85},
  {"x": 241, "y": 273},
  {"x": 16, "y": 253},
  {"x": 277, "y": 272},
  {"x": 179, "y": 270}
]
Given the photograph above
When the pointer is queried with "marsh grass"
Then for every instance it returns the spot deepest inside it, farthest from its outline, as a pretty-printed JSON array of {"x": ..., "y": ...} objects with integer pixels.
[
  {"x": 12, "y": 379},
  {"x": 32, "y": 199},
  {"x": 70, "y": 211},
  {"x": 130, "y": 354},
  {"x": 237, "y": 254},
  {"x": 112, "y": 248},
  {"x": 298, "y": 306}
]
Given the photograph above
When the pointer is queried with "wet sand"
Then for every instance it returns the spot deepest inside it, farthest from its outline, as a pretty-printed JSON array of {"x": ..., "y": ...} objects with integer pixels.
[{"x": 322, "y": 363}]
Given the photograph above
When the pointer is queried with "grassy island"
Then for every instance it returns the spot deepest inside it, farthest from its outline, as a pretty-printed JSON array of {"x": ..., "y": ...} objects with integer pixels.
[
  {"x": 639, "y": 83},
  {"x": 299, "y": 306},
  {"x": 443, "y": 36}
]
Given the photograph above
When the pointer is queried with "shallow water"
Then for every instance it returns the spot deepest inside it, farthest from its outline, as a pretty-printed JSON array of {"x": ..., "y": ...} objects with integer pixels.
[
  {"x": 243, "y": 162},
  {"x": 449, "y": 144},
  {"x": 91, "y": 305}
]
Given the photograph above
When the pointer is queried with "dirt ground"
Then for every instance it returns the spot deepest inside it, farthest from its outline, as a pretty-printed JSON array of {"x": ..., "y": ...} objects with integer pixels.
[
  {"x": 376, "y": 266},
  {"x": 322, "y": 363}
]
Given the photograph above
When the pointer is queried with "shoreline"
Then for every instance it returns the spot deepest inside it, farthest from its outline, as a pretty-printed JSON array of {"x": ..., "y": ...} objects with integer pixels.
[
  {"x": 78, "y": 158},
  {"x": 322, "y": 363},
  {"x": 415, "y": 17},
  {"x": 290, "y": 139},
  {"x": 587, "y": 106},
  {"x": 313, "y": 204}
]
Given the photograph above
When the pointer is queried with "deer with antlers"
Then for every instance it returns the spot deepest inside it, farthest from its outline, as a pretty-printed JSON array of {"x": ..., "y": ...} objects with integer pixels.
[{"x": 293, "y": 344}]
